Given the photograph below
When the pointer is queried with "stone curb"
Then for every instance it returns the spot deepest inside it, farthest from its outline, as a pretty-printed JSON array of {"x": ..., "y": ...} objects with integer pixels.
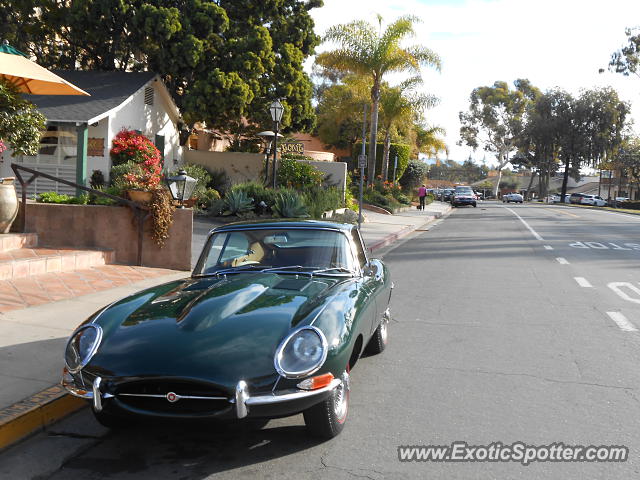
[{"x": 35, "y": 413}]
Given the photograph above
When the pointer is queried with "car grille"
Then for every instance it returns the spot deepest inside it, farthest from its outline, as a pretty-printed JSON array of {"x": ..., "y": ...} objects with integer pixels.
[{"x": 188, "y": 397}]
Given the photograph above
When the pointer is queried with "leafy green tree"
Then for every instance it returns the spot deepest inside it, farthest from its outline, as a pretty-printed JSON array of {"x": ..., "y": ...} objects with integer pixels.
[
  {"x": 20, "y": 121},
  {"x": 224, "y": 61},
  {"x": 414, "y": 174},
  {"x": 339, "y": 112},
  {"x": 627, "y": 59},
  {"x": 367, "y": 50},
  {"x": 495, "y": 119}
]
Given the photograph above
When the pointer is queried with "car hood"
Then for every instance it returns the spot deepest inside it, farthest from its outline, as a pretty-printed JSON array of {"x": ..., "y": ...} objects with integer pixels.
[{"x": 217, "y": 329}]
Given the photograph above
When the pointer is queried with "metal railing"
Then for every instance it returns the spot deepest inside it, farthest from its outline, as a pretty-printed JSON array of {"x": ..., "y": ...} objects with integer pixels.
[{"x": 140, "y": 212}]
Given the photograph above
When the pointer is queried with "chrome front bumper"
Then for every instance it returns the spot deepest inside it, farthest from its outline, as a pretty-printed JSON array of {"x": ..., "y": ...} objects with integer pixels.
[{"x": 243, "y": 400}]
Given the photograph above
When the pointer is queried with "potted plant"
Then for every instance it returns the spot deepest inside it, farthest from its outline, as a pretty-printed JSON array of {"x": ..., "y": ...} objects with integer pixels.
[{"x": 137, "y": 164}]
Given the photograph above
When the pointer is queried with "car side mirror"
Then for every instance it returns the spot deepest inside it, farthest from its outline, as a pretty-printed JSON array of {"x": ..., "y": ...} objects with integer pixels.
[{"x": 374, "y": 269}]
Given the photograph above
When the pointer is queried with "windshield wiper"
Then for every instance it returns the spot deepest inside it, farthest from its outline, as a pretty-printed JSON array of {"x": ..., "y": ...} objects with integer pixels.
[
  {"x": 296, "y": 268},
  {"x": 332, "y": 269},
  {"x": 224, "y": 271}
]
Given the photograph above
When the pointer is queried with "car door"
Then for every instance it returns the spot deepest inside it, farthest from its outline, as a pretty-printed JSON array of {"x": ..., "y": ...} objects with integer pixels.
[{"x": 366, "y": 285}]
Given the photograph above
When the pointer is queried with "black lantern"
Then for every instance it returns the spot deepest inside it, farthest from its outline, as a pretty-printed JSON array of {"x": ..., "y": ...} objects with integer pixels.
[
  {"x": 276, "y": 110},
  {"x": 181, "y": 187}
]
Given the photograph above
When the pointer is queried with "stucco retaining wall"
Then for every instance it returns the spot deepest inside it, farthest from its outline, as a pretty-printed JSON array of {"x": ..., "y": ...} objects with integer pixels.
[{"x": 114, "y": 228}]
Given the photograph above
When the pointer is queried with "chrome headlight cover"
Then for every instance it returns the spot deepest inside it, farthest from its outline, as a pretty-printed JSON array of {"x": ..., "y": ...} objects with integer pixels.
[
  {"x": 77, "y": 354},
  {"x": 289, "y": 347}
]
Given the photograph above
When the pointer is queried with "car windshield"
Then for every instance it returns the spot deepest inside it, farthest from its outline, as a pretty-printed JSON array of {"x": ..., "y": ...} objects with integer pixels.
[{"x": 300, "y": 250}]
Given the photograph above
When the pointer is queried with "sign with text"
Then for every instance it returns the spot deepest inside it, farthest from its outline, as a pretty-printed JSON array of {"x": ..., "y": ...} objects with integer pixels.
[{"x": 291, "y": 147}]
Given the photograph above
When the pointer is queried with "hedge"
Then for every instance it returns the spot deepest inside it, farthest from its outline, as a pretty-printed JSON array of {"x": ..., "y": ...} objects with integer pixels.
[{"x": 402, "y": 150}]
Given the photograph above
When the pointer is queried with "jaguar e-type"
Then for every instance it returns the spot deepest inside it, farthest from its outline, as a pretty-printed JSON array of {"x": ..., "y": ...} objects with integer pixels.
[{"x": 270, "y": 324}]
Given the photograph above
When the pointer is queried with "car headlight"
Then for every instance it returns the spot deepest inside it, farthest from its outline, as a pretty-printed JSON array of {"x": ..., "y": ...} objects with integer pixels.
[
  {"x": 301, "y": 353},
  {"x": 82, "y": 345}
]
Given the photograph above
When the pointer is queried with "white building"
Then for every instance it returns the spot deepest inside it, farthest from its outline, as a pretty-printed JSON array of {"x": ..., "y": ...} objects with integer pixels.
[{"x": 80, "y": 129}]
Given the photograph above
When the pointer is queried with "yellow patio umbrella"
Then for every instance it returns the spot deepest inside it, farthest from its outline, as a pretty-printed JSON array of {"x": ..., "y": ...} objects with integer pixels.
[{"x": 30, "y": 77}]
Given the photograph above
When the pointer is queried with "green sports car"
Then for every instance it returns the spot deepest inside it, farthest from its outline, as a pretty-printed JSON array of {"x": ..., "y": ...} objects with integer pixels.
[{"x": 270, "y": 324}]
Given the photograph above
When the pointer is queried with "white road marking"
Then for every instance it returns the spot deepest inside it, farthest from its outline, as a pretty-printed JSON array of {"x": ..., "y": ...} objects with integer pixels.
[
  {"x": 562, "y": 261},
  {"x": 617, "y": 288},
  {"x": 622, "y": 322},
  {"x": 583, "y": 282},
  {"x": 533, "y": 232},
  {"x": 548, "y": 247}
]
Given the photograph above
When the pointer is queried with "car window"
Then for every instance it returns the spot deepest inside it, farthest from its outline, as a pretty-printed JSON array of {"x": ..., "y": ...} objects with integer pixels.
[
  {"x": 265, "y": 248},
  {"x": 361, "y": 257}
]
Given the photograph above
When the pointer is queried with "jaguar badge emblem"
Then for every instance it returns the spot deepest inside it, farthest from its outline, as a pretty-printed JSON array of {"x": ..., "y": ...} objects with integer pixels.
[{"x": 172, "y": 397}]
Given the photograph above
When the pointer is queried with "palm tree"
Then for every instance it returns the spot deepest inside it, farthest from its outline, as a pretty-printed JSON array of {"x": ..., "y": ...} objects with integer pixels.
[
  {"x": 368, "y": 51},
  {"x": 401, "y": 105},
  {"x": 429, "y": 142}
]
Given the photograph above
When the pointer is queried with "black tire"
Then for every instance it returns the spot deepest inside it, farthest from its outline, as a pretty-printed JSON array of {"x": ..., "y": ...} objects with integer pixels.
[
  {"x": 474, "y": 205},
  {"x": 114, "y": 422},
  {"x": 327, "y": 418}
]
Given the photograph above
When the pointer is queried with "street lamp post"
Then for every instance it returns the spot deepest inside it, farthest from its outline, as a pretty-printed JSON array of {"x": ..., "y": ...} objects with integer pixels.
[
  {"x": 181, "y": 187},
  {"x": 276, "y": 109}
]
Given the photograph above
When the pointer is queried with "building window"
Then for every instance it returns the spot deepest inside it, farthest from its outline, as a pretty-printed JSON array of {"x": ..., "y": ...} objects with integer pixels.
[{"x": 148, "y": 95}]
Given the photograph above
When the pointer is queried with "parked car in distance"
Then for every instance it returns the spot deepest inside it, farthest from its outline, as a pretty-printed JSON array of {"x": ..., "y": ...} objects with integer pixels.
[
  {"x": 576, "y": 197},
  {"x": 512, "y": 197},
  {"x": 622, "y": 199},
  {"x": 553, "y": 198},
  {"x": 447, "y": 193},
  {"x": 463, "y": 195},
  {"x": 594, "y": 200},
  {"x": 270, "y": 324}
]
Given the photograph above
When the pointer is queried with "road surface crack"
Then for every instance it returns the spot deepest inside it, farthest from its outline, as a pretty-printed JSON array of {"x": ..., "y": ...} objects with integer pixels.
[
  {"x": 537, "y": 377},
  {"x": 325, "y": 465}
]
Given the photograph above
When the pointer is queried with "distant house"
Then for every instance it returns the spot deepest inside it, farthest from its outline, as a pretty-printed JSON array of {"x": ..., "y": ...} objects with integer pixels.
[{"x": 80, "y": 129}]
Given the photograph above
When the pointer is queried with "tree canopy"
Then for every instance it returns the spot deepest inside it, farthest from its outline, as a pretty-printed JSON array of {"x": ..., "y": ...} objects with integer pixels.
[
  {"x": 369, "y": 51},
  {"x": 20, "y": 122},
  {"x": 627, "y": 59},
  {"x": 224, "y": 61},
  {"x": 496, "y": 119}
]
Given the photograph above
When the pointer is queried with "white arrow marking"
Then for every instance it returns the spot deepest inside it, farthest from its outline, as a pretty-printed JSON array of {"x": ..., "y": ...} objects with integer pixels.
[
  {"x": 562, "y": 261},
  {"x": 616, "y": 287}
]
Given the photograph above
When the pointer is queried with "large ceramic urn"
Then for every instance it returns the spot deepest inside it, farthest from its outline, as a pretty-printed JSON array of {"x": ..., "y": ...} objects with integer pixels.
[{"x": 8, "y": 203}]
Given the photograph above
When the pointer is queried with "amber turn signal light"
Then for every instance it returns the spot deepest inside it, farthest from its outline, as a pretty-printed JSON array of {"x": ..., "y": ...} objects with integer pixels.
[{"x": 315, "y": 383}]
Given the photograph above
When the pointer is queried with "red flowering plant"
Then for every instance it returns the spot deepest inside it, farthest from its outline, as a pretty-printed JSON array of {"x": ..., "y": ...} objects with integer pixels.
[{"x": 137, "y": 163}]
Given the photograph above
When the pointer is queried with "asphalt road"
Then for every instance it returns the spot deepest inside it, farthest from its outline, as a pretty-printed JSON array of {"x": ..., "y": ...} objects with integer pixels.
[{"x": 511, "y": 323}]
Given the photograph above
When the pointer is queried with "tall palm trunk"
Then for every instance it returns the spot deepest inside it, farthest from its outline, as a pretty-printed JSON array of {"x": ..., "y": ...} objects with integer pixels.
[
  {"x": 375, "y": 101},
  {"x": 385, "y": 155}
]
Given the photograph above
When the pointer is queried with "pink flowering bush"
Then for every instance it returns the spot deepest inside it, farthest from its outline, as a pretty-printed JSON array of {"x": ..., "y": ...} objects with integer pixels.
[
  {"x": 138, "y": 160},
  {"x": 3, "y": 147}
]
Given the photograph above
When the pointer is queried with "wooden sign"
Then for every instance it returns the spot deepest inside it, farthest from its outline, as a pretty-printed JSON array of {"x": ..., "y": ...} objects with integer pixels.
[
  {"x": 95, "y": 147},
  {"x": 291, "y": 147}
]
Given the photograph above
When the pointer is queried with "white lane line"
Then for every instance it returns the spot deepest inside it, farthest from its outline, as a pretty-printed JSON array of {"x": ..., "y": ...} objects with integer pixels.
[
  {"x": 562, "y": 261},
  {"x": 533, "y": 232},
  {"x": 583, "y": 282},
  {"x": 548, "y": 247},
  {"x": 622, "y": 322}
]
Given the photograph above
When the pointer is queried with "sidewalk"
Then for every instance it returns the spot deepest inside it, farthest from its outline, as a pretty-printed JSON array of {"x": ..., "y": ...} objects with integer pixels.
[{"x": 33, "y": 336}]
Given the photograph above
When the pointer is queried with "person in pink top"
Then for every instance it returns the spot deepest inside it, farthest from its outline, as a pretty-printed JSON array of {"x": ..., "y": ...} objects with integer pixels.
[{"x": 422, "y": 193}]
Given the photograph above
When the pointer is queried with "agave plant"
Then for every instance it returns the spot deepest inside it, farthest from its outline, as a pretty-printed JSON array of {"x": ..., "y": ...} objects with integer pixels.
[
  {"x": 237, "y": 202},
  {"x": 290, "y": 205}
]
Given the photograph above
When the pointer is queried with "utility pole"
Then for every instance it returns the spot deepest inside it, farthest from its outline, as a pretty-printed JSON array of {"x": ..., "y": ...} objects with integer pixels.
[
  {"x": 395, "y": 165},
  {"x": 362, "y": 164}
]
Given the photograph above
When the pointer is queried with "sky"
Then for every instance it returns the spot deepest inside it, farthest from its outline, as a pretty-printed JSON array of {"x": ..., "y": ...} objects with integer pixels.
[{"x": 553, "y": 43}]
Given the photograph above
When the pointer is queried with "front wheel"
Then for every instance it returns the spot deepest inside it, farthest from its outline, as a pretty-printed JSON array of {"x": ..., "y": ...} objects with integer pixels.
[
  {"x": 327, "y": 418},
  {"x": 380, "y": 337},
  {"x": 474, "y": 205}
]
